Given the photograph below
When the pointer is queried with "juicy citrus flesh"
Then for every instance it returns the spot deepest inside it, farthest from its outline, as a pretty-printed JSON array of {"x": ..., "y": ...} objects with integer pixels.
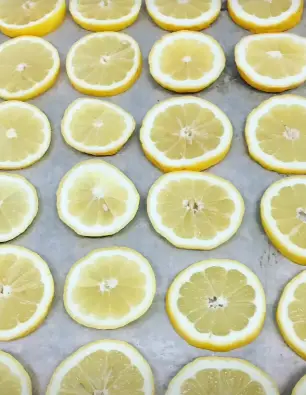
[
  {"x": 183, "y": 10},
  {"x": 9, "y": 383},
  {"x": 14, "y": 380},
  {"x": 105, "y": 10},
  {"x": 265, "y": 9},
  {"x": 297, "y": 312}
]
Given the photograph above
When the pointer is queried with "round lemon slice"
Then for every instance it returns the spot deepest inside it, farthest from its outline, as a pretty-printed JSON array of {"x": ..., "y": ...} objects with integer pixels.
[
  {"x": 300, "y": 388},
  {"x": 186, "y": 61},
  {"x": 262, "y": 16},
  {"x": 104, "y": 367},
  {"x": 95, "y": 199},
  {"x": 283, "y": 214},
  {"x": 25, "y": 135},
  {"x": 195, "y": 210},
  {"x": 276, "y": 134},
  {"x": 14, "y": 378},
  {"x": 18, "y": 205},
  {"x": 101, "y": 15},
  {"x": 220, "y": 375},
  {"x": 291, "y": 315},
  {"x": 97, "y": 127},
  {"x": 104, "y": 64},
  {"x": 26, "y": 291},
  {"x": 218, "y": 305},
  {"x": 31, "y": 17},
  {"x": 109, "y": 288},
  {"x": 272, "y": 62},
  {"x": 29, "y": 67},
  {"x": 186, "y": 133},
  {"x": 184, "y": 15}
]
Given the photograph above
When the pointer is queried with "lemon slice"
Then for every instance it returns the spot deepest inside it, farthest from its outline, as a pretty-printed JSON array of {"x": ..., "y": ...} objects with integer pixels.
[
  {"x": 109, "y": 288},
  {"x": 186, "y": 61},
  {"x": 14, "y": 379},
  {"x": 195, "y": 210},
  {"x": 29, "y": 67},
  {"x": 101, "y": 15},
  {"x": 104, "y": 367},
  {"x": 291, "y": 314},
  {"x": 26, "y": 291},
  {"x": 95, "y": 199},
  {"x": 31, "y": 17},
  {"x": 184, "y": 15},
  {"x": 272, "y": 62},
  {"x": 276, "y": 134},
  {"x": 283, "y": 214},
  {"x": 262, "y": 16},
  {"x": 104, "y": 64},
  {"x": 207, "y": 376},
  {"x": 18, "y": 205},
  {"x": 186, "y": 133},
  {"x": 300, "y": 388},
  {"x": 97, "y": 127}
]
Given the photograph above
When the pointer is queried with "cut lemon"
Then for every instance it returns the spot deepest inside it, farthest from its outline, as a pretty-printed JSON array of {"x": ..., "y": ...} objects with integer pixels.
[
  {"x": 104, "y": 64},
  {"x": 300, "y": 388},
  {"x": 101, "y": 15},
  {"x": 31, "y": 17},
  {"x": 262, "y": 16},
  {"x": 18, "y": 205},
  {"x": 109, "y": 288},
  {"x": 25, "y": 135},
  {"x": 97, "y": 127},
  {"x": 276, "y": 134},
  {"x": 186, "y": 61},
  {"x": 14, "y": 379},
  {"x": 218, "y": 376},
  {"x": 195, "y": 210},
  {"x": 291, "y": 314},
  {"x": 26, "y": 291},
  {"x": 186, "y": 133},
  {"x": 95, "y": 199},
  {"x": 184, "y": 15},
  {"x": 272, "y": 62},
  {"x": 104, "y": 367},
  {"x": 29, "y": 67},
  {"x": 283, "y": 214},
  {"x": 218, "y": 305}
]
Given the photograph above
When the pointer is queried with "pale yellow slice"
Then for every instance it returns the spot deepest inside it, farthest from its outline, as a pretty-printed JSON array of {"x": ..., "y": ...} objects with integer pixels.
[
  {"x": 97, "y": 127},
  {"x": 104, "y": 64},
  {"x": 104, "y": 367},
  {"x": 14, "y": 380},
  {"x": 300, "y": 388}
]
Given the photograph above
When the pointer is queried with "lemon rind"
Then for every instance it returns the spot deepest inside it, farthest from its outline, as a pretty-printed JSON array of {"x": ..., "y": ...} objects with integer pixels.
[
  {"x": 18, "y": 370},
  {"x": 300, "y": 387}
]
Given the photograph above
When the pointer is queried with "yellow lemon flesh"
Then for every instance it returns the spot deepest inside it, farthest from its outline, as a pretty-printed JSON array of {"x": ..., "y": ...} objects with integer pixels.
[{"x": 14, "y": 379}]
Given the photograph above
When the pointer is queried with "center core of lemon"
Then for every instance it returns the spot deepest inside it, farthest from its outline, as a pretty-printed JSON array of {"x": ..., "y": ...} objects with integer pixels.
[
  {"x": 28, "y": 5},
  {"x": 98, "y": 124},
  {"x": 11, "y": 133},
  {"x": 216, "y": 303},
  {"x": 275, "y": 54},
  {"x": 5, "y": 291},
  {"x": 187, "y": 133},
  {"x": 186, "y": 59},
  {"x": 193, "y": 205},
  {"x": 104, "y": 59},
  {"x": 301, "y": 214},
  {"x": 21, "y": 67},
  {"x": 108, "y": 285},
  {"x": 291, "y": 133},
  {"x": 183, "y": 1}
]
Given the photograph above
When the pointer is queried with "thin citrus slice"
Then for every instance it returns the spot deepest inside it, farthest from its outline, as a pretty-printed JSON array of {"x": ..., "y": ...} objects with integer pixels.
[
  {"x": 184, "y": 15},
  {"x": 291, "y": 314},
  {"x": 300, "y": 388},
  {"x": 219, "y": 376},
  {"x": 217, "y": 304},
  {"x": 102, "y": 15},
  {"x": 96, "y": 199},
  {"x": 29, "y": 67},
  {"x": 25, "y": 135},
  {"x": 272, "y": 62},
  {"x": 26, "y": 291},
  {"x": 186, "y": 61},
  {"x": 14, "y": 378},
  {"x": 104, "y": 367},
  {"x": 109, "y": 288},
  {"x": 195, "y": 210},
  {"x": 97, "y": 127},
  {"x": 104, "y": 64},
  {"x": 283, "y": 214},
  {"x": 262, "y": 16},
  {"x": 18, "y": 205},
  {"x": 276, "y": 134},
  {"x": 186, "y": 133}
]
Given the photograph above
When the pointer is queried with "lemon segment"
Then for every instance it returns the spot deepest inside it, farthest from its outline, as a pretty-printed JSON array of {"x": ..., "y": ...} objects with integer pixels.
[
  {"x": 300, "y": 388},
  {"x": 176, "y": 15},
  {"x": 272, "y": 62},
  {"x": 104, "y": 64},
  {"x": 108, "y": 366},
  {"x": 186, "y": 61},
  {"x": 14, "y": 379},
  {"x": 186, "y": 133},
  {"x": 105, "y": 15},
  {"x": 97, "y": 127}
]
